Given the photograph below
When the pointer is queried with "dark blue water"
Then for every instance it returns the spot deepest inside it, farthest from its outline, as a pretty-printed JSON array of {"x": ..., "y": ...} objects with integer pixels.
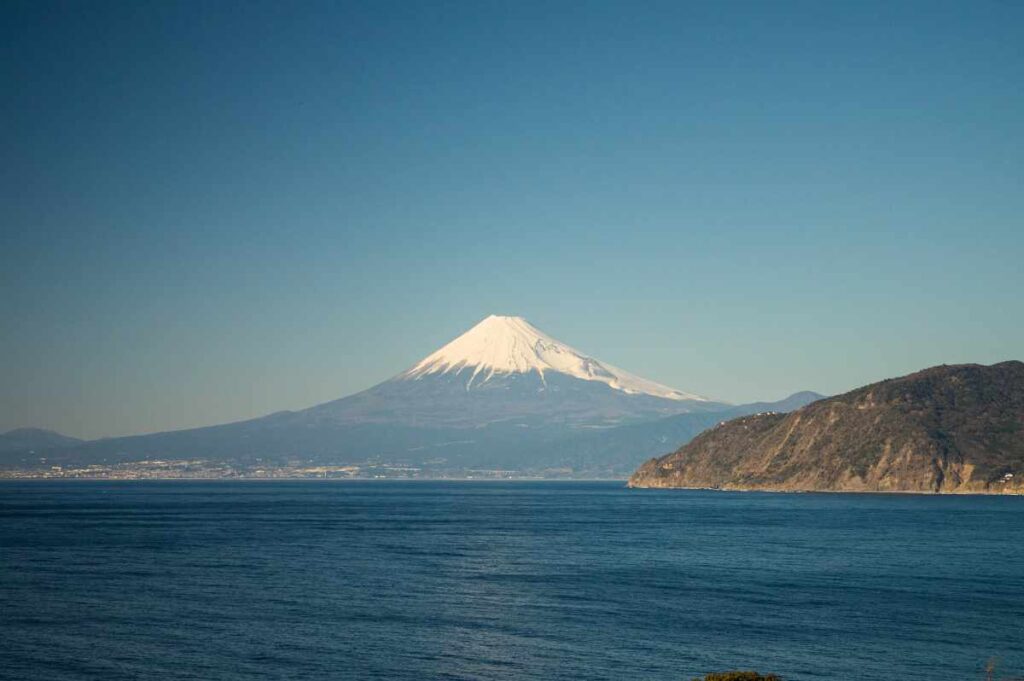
[{"x": 382, "y": 580}]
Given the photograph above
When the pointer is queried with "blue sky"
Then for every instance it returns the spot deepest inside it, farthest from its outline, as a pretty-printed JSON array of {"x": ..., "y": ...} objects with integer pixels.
[{"x": 213, "y": 211}]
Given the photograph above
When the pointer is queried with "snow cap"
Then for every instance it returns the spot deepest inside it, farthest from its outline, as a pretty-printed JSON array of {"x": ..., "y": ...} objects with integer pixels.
[{"x": 505, "y": 345}]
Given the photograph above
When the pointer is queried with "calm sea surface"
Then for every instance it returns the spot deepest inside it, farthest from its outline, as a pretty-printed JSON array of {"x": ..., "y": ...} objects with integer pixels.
[{"x": 494, "y": 580}]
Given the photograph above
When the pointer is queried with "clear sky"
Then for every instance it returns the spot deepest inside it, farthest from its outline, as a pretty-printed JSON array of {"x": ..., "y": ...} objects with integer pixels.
[{"x": 215, "y": 210}]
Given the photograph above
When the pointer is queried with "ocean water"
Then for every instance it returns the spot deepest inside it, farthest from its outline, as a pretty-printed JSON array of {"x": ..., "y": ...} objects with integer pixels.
[{"x": 501, "y": 580}]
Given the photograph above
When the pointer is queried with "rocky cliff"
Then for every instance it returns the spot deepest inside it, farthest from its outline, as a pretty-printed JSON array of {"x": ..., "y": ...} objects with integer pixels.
[{"x": 945, "y": 429}]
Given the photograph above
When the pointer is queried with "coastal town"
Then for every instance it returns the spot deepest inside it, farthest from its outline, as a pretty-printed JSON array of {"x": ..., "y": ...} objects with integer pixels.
[{"x": 200, "y": 469}]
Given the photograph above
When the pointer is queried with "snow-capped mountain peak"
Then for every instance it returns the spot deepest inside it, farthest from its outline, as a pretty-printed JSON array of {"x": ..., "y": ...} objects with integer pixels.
[{"x": 507, "y": 345}]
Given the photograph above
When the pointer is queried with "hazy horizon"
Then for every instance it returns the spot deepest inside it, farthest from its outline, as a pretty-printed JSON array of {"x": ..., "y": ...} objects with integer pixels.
[{"x": 215, "y": 212}]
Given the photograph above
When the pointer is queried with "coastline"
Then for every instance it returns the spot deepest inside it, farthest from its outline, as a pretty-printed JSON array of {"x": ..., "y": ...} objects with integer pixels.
[{"x": 1014, "y": 492}]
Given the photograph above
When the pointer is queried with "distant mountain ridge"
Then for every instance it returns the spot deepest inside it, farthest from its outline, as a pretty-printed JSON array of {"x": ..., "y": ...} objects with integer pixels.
[
  {"x": 945, "y": 429},
  {"x": 794, "y": 401},
  {"x": 21, "y": 439}
]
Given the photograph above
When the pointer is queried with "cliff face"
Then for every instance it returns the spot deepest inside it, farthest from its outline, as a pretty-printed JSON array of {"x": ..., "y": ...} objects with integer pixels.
[{"x": 945, "y": 429}]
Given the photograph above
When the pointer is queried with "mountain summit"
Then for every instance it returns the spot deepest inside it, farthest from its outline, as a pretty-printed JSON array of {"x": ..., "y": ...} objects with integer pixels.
[{"x": 511, "y": 345}]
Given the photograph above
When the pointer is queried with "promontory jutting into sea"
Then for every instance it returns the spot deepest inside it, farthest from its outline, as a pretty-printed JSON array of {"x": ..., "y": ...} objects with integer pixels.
[{"x": 506, "y": 400}]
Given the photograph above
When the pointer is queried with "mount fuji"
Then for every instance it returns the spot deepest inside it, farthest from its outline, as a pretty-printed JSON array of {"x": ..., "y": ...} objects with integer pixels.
[
  {"x": 503, "y": 395},
  {"x": 504, "y": 370}
]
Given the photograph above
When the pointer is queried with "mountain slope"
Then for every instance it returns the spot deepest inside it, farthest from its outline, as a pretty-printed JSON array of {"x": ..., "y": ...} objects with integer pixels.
[
  {"x": 945, "y": 429},
  {"x": 25, "y": 439},
  {"x": 611, "y": 450},
  {"x": 502, "y": 394},
  {"x": 602, "y": 452}
]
